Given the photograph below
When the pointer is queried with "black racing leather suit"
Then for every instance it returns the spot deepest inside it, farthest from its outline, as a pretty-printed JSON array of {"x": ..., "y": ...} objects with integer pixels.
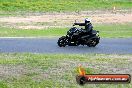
[{"x": 88, "y": 26}]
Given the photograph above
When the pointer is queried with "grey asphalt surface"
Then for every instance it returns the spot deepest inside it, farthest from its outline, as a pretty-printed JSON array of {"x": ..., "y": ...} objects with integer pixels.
[{"x": 43, "y": 45}]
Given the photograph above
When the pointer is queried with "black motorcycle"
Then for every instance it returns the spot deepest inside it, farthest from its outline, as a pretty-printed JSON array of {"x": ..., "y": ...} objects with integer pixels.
[{"x": 76, "y": 36}]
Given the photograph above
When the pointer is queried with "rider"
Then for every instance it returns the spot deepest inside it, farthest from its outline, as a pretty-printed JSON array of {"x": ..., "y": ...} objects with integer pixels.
[{"x": 87, "y": 24}]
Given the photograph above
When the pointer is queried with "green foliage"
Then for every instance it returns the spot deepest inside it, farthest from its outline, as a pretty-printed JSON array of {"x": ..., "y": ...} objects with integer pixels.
[
  {"x": 106, "y": 30},
  {"x": 115, "y": 30},
  {"x": 61, "y": 71},
  {"x": 61, "y": 5},
  {"x": 3, "y": 85},
  {"x": 89, "y": 70},
  {"x": 31, "y": 33}
]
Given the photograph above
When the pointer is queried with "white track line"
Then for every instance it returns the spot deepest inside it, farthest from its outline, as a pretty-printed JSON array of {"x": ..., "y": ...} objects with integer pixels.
[
  {"x": 26, "y": 37},
  {"x": 19, "y": 37}
]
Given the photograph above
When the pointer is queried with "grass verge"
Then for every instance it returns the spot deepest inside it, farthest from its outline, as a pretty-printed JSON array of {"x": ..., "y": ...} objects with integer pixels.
[
  {"x": 59, "y": 70},
  {"x": 62, "y": 5},
  {"x": 106, "y": 31}
]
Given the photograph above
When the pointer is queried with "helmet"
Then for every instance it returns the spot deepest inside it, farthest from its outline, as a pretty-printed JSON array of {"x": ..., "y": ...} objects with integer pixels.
[{"x": 87, "y": 20}]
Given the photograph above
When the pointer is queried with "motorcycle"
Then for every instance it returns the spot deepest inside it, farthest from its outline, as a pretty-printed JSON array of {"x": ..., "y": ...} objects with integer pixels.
[{"x": 76, "y": 36}]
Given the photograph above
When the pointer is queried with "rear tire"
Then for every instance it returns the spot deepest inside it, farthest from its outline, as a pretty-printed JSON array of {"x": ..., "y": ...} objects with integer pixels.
[
  {"x": 93, "y": 42},
  {"x": 62, "y": 41}
]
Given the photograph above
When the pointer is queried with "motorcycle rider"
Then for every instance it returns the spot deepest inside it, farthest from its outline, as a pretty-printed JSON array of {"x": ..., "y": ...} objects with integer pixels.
[{"x": 87, "y": 24}]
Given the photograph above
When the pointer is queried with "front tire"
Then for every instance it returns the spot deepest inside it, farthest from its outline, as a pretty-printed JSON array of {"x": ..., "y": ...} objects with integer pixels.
[{"x": 62, "y": 41}]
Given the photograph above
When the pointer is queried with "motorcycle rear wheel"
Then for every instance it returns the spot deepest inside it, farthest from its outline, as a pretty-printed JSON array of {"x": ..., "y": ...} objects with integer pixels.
[{"x": 93, "y": 42}]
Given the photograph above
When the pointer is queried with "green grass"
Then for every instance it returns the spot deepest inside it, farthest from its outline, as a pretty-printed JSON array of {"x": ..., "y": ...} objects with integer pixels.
[
  {"x": 25, "y": 70},
  {"x": 106, "y": 31},
  {"x": 8, "y": 32},
  {"x": 115, "y": 30},
  {"x": 62, "y": 5}
]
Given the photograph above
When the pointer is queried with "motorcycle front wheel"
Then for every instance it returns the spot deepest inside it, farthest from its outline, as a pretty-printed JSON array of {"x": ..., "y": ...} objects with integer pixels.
[{"x": 62, "y": 41}]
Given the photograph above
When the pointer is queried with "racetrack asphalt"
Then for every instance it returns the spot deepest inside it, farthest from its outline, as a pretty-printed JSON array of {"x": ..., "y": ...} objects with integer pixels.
[{"x": 48, "y": 45}]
